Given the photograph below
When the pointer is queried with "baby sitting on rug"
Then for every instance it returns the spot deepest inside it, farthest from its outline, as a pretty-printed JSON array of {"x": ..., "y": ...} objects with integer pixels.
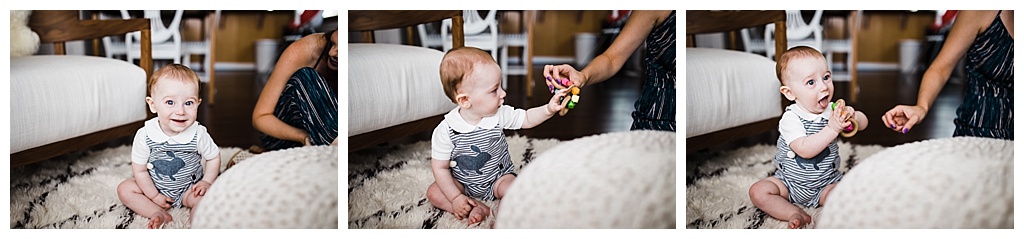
[
  {"x": 174, "y": 160},
  {"x": 807, "y": 159},
  {"x": 470, "y": 156}
]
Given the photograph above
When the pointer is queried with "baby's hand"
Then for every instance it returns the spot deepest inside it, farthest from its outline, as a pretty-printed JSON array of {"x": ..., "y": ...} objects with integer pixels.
[
  {"x": 200, "y": 188},
  {"x": 163, "y": 201},
  {"x": 462, "y": 206},
  {"x": 839, "y": 121},
  {"x": 554, "y": 105}
]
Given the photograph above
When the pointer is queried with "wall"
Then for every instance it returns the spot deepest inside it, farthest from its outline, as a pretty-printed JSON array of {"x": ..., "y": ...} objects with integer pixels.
[
  {"x": 881, "y": 32},
  {"x": 554, "y": 31},
  {"x": 238, "y": 32}
]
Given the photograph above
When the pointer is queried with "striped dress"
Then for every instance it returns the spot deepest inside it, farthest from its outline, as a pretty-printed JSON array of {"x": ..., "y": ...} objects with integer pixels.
[
  {"x": 806, "y": 178},
  {"x": 987, "y": 108},
  {"x": 481, "y": 157},
  {"x": 656, "y": 108},
  {"x": 308, "y": 103},
  {"x": 175, "y": 168}
]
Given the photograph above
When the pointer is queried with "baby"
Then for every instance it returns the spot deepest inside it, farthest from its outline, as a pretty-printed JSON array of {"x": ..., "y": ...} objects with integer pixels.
[
  {"x": 807, "y": 160},
  {"x": 174, "y": 160},
  {"x": 470, "y": 156}
]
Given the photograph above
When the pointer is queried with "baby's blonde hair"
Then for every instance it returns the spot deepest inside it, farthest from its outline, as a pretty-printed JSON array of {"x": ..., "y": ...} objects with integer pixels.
[
  {"x": 457, "y": 64},
  {"x": 796, "y": 52},
  {"x": 172, "y": 71}
]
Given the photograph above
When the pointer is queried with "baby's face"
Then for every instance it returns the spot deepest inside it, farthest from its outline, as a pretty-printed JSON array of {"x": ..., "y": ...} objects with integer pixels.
[
  {"x": 176, "y": 103},
  {"x": 810, "y": 83},
  {"x": 483, "y": 88}
]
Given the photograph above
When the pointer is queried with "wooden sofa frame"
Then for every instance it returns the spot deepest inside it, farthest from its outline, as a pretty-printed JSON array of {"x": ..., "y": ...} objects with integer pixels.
[
  {"x": 59, "y": 26},
  {"x": 366, "y": 22}
]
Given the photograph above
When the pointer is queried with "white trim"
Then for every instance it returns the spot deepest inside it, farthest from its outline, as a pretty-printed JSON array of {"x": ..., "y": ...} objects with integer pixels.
[
  {"x": 235, "y": 66},
  {"x": 552, "y": 60}
]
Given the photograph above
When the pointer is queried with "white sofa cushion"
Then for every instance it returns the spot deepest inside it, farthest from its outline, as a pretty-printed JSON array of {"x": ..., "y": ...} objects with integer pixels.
[
  {"x": 58, "y": 97},
  {"x": 393, "y": 84},
  {"x": 726, "y": 88}
]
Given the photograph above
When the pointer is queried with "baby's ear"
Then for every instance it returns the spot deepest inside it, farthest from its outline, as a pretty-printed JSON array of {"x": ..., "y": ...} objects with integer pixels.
[
  {"x": 787, "y": 92},
  {"x": 149, "y": 103},
  {"x": 462, "y": 100}
]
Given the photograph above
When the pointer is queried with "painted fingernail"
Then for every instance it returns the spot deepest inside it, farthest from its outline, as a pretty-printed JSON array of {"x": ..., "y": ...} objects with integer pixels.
[
  {"x": 905, "y": 130},
  {"x": 893, "y": 125},
  {"x": 549, "y": 78}
]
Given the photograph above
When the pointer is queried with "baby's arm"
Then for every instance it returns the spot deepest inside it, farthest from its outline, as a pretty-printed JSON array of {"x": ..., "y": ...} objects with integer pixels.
[
  {"x": 862, "y": 120},
  {"x": 211, "y": 169},
  {"x": 539, "y": 114},
  {"x": 444, "y": 180},
  {"x": 140, "y": 172}
]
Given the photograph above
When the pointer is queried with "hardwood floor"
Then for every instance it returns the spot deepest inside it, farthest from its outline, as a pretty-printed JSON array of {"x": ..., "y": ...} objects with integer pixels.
[{"x": 229, "y": 120}]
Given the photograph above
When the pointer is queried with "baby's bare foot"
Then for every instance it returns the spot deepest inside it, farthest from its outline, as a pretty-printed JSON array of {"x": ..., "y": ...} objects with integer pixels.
[
  {"x": 479, "y": 213},
  {"x": 158, "y": 219},
  {"x": 799, "y": 220}
]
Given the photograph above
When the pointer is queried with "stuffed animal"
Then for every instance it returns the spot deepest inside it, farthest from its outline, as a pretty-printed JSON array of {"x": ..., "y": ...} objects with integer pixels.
[{"x": 24, "y": 41}]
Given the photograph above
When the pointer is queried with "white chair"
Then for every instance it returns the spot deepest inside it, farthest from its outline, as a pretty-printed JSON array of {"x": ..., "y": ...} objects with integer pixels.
[
  {"x": 114, "y": 47},
  {"x": 203, "y": 48},
  {"x": 166, "y": 38},
  {"x": 521, "y": 40},
  {"x": 428, "y": 38},
  {"x": 799, "y": 32}
]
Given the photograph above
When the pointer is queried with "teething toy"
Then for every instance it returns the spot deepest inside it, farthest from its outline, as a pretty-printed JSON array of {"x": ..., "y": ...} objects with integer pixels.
[
  {"x": 570, "y": 100},
  {"x": 851, "y": 130}
]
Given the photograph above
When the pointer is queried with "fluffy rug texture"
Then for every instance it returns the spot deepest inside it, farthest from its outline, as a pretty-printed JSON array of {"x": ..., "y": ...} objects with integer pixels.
[
  {"x": 960, "y": 182},
  {"x": 80, "y": 191},
  {"x": 387, "y": 186},
  {"x": 289, "y": 188},
  {"x": 717, "y": 186},
  {"x": 614, "y": 180}
]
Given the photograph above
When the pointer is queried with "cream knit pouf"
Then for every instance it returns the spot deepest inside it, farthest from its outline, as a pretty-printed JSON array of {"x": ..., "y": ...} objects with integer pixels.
[
  {"x": 613, "y": 180},
  {"x": 290, "y": 188},
  {"x": 960, "y": 182}
]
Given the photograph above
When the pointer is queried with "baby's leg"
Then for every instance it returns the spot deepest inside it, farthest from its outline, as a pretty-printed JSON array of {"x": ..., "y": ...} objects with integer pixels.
[
  {"x": 191, "y": 200},
  {"x": 132, "y": 196},
  {"x": 771, "y": 196},
  {"x": 439, "y": 200},
  {"x": 824, "y": 193},
  {"x": 479, "y": 213},
  {"x": 502, "y": 184}
]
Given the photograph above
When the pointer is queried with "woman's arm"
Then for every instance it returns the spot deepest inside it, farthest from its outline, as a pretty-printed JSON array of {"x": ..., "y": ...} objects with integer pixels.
[
  {"x": 961, "y": 36},
  {"x": 966, "y": 27},
  {"x": 301, "y": 53},
  {"x": 633, "y": 34}
]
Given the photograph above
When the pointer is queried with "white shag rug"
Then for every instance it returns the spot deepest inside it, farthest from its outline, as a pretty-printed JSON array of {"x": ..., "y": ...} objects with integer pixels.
[
  {"x": 387, "y": 186},
  {"x": 80, "y": 191},
  {"x": 717, "y": 186}
]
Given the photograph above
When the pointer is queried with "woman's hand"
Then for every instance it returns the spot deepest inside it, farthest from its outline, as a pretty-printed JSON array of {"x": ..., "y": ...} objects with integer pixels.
[
  {"x": 564, "y": 71},
  {"x": 903, "y": 117}
]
